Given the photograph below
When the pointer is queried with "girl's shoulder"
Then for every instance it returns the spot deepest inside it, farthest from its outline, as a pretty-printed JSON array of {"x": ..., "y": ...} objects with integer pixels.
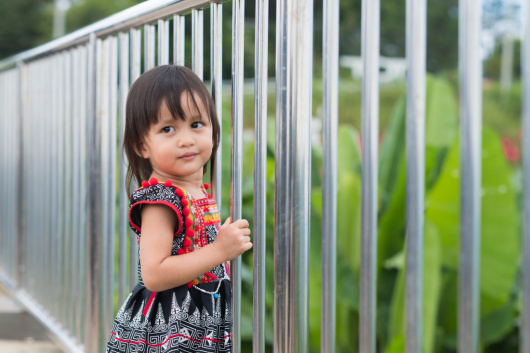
[{"x": 154, "y": 192}]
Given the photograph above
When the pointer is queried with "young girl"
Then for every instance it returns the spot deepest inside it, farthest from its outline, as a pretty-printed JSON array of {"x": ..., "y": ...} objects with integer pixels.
[{"x": 182, "y": 302}]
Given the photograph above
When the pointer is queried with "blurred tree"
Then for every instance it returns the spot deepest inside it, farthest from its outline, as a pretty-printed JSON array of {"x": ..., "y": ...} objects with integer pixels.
[
  {"x": 85, "y": 12},
  {"x": 24, "y": 24},
  {"x": 492, "y": 65},
  {"x": 442, "y": 31},
  {"x": 442, "y": 35}
]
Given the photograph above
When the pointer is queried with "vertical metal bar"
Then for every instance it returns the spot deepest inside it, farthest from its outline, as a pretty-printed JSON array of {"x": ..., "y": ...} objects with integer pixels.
[
  {"x": 178, "y": 39},
  {"x": 102, "y": 112},
  {"x": 238, "y": 19},
  {"x": 68, "y": 187},
  {"x": 122, "y": 198},
  {"x": 39, "y": 96},
  {"x": 5, "y": 143},
  {"x": 28, "y": 170},
  {"x": 260, "y": 173},
  {"x": 59, "y": 180},
  {"x": 112, "y": 175},
  {"x": 330, "y": 54},
  {"x": 13, "y": 174},
  {"x": 33, "y": 163},
  {"x": 293, "y": 174},
  {"x": 5, "y": 174},
  {"x": 25, "y": 111},
  {"x": 47, "y": 94},
  {"x": 135, "y": 73},
  {"x": 370, "y": 120},
  {"x": 6, "y": 178},
  {"x": 163, "y": 42},
  {"x": 54, "y": 214},
  {"x": 94, "y": 244},
  {"x": 21, "y": 230},
  {"x": 136, "y": 53},
  {"x": 197, "y": 39},
  {"x": 216, "y": 60},
  {"x": 75, "y": 189},
  {"x": 86, "y": 84},
  {"x": 5, "y": 227},
  {"x": 3, "y": 171},
  {"x": 416, "y": 58},
  {"x": 20, "y": 234},
  {"x": 61, "y": 224},
  {"x": 149, "y": 47},
  {"x": 470, "y": 67},
  {"x": 524, "y": 336},
  {"x": 10, "y": 196},
  {"x": 9, "y": 137}
]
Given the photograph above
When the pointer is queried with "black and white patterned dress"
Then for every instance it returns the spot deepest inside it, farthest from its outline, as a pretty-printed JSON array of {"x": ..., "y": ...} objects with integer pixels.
[{"x": 195, "y": 317}]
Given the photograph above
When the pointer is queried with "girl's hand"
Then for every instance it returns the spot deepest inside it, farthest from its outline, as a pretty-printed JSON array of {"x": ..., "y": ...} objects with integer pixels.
[{"x": 233, "y": 239}]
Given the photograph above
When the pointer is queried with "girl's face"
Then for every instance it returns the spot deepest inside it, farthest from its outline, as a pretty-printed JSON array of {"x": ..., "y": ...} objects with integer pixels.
[{"x": 178, "y": 149}]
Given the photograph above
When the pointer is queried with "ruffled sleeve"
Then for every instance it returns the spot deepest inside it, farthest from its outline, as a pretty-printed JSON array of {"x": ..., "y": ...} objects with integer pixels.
[{"x": 155, "y": 193}]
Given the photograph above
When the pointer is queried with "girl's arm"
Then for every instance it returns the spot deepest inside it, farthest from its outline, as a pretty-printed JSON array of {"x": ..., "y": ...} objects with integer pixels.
[{"x": 161, "y": 271}]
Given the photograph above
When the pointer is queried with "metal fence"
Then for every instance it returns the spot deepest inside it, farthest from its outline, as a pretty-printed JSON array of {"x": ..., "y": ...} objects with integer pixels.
[{"x": 65, "y": 250}]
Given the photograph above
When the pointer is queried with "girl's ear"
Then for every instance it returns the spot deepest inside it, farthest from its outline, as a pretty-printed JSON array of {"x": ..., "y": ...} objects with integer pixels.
[{"x": 141, "y": 150}]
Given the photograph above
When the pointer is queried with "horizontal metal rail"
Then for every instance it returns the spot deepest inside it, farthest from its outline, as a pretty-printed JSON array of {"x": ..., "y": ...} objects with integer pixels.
[{"x": 144, "y": 13}]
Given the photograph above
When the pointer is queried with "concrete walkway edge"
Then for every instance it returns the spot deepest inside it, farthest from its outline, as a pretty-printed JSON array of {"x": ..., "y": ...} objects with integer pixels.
[{"x": 62, "y": 341}]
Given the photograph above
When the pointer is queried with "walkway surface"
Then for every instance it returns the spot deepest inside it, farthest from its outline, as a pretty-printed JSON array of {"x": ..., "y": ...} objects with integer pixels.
[{"x": 20, "y": 332}]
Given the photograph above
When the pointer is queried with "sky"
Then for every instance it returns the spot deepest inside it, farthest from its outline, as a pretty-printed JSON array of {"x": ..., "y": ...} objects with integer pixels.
[{"x": 500, "y": 17}]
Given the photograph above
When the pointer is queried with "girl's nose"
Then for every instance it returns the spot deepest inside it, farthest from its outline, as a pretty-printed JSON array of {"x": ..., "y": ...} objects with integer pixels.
[{"x": 186, "y": 140}]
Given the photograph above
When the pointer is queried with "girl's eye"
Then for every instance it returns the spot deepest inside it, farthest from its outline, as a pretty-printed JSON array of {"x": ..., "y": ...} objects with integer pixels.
[
  {"x": 168, "y": 129},
  {"x": 197, "y": 124}
]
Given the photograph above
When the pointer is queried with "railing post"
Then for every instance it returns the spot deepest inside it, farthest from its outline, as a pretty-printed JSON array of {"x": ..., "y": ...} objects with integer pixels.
[
  {"x": 197, "y": 24},
  {"x": 238, "y": 19},
  {"x": 369, "y": 130},
  {"x": 93, "y": 246},
  {"x": 216, "y": 65},
  {"x": 20, "y": 229},
  {"x": 330, "y": 69},
  {"x": 293, "y": 178},
  {"x": 470, "y": 67},
  {"x": 415, "y": 141},
  {"x": 524, "y": 336},
  {"x": 260, "y": 174}
]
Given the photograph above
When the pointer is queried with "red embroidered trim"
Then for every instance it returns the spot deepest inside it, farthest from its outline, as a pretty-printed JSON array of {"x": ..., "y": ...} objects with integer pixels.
[
  {"x": 149, "y": 302},
  {"x": 167, "y": 203},
  {"x": 167, "y": 340}
]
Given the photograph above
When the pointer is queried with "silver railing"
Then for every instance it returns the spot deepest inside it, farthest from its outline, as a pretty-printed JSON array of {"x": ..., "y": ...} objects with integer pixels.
[{"x": 66, "y": 253}]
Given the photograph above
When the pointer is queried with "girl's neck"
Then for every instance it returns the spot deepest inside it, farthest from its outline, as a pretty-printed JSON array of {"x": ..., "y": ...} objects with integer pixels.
[{"x": 192, "y": 185}]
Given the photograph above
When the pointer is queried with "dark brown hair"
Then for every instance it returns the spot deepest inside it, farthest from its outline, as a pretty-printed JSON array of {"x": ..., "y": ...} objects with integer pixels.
[{"x": 166, "y": 84}]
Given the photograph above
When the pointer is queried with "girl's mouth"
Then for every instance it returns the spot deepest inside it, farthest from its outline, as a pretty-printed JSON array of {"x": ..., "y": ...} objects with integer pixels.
[{"x": 187, "y": 156}]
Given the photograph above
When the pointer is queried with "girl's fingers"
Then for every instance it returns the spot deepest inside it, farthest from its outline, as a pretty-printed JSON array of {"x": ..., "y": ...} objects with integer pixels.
[{"x": 242, "y": 223}]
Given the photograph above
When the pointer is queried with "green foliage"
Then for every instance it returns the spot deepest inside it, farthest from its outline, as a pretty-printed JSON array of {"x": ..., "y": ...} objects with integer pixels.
[
  {"x": 24, "y": 24},
  {"x": 492, "y": 65},
  {"x": 442, "y": 50},
  {"x": 499, "y": 234},
  {"x": 502, "y": 110},
  {"x": 85, "y": 12},
  {"x": 499, "y": 242}
]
